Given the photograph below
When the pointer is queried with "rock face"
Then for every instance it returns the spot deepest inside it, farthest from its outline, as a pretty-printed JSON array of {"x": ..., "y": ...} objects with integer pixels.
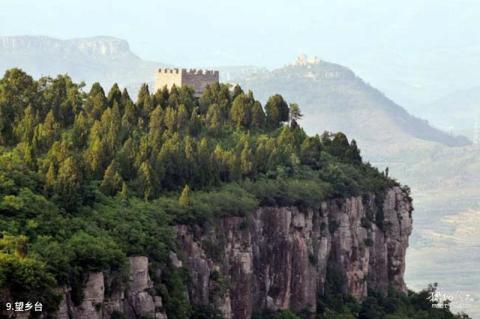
[
  {"x": 275, "y": 258},
  {"x": 279, "y": 258},
  {"x": 132, "y": 300}
]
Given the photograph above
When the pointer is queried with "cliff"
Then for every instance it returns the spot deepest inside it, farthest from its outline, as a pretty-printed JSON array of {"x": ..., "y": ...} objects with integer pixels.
[{"x": 275, "y": 258}]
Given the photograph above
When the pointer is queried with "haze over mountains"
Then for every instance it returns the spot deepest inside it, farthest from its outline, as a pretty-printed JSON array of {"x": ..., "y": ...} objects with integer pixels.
[
  {"x": 442, "y": 169},
  {"x": 103, "y": 59},
  {"x": 333, "y": 96},
  {"x": 335, "y": 99}
]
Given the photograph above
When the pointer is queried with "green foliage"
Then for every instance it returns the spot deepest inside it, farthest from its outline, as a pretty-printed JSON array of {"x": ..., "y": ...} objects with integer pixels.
[
  {"x": 394, "y": 305},
  {"x": 88, "y": 179}
]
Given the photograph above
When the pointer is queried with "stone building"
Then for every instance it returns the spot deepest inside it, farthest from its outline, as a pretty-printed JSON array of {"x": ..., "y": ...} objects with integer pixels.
[{"x": 197, "y": 79}]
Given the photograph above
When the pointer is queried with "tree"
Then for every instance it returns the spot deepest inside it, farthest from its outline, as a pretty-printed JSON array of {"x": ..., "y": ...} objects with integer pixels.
[
  {"x": 115, "y": 95},
  {"x": 310, "y": 152},
  {"x": 277, "y": 111},
  {"x": 25, "y": 129},
  {"x": 145, "y": 101},
  {"x": 112, "y": 181},
  {"x": 295, "y": 114},
  {"x": 240, "y": 111},
  {"x": 246, "y": 160},
  {"x": 214, "y": 118},
  {"x": 96, "y": 102},
  {"x": 258, "y": 115},
  {"x": 184, "y": 199},
  {"x": 237, "y": 90},
  {"x": 68, "y": 184},
  {"x": 17, "y": 91},
  {"x": 156, "y": 127},
  {"x": 146, "y": 181},
  {"x": 352, "y": 154}
]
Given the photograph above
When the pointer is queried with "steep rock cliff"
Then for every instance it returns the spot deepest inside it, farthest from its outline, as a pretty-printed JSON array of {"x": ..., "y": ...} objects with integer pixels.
[
  {"x": 104, "y": 295},
  {"x": 279, "y": 258},
  {"x": 274, "y": 258}
]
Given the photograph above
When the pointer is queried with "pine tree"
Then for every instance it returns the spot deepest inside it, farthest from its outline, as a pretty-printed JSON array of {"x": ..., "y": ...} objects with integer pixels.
[
  {"x": 68, "y": 184},
  {"x": 310, "y": 152},
  {"x": 124, "y": 100},
  {"x": 112, "y": 181},
  {"x": 145, "y": 101},
  {"x": 246, "y": 160},
  {"x": 146, "y": 181},
  {"x": 124, "y": 192},
  {"x": 240, "y": 111},
  {"x": 237, "y": 90},
  {"x": 171, "y": 119},
  {"x": 156, "y": 127},
  {"x": 182, "y": 118},
  {"x": 184, "y": 199},
  {"x": 295, "y": 115},
  {"x": 160, "y": 98},
  {"x": 17, "y": 91},
  {"x": 214, "y": 119},
  {"x": 25, "y": 129},
  {"x": 48, "y": 131},
  {"x": 130, "y": 117},
  {"x": 115, "y": 95},
  {"x": 96, "y": 102},
  {"x": 277, "y": 111},
  {"x": 353, "y": 153},
  {"x": 257, "y": 115}
]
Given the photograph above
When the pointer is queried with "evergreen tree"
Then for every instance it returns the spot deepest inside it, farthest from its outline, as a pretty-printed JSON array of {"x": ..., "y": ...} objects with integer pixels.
[
  {"x": 96, "y": 102},
  {"x": 115, "y": 96},
  {"x": 68, "y": 184},
  {"x": 237, "y": 90},
  {"x": 184, "y": 199},
  {"x": 295, "y": 115},
  {"x": 17, "y": 92},
  {"x": 146, "y": 181},
  {"x": 144, "y": 101},
  {"x": 112, "y": 181},
  {"x": 156, "y": 127},
  {"x": 277, "y": 111},
  {"x": 25, "y": 129},
  {"x": 214, "y": 118},
  {"x": 240, "y": 112},
  {"x": 257, "y": 115}
]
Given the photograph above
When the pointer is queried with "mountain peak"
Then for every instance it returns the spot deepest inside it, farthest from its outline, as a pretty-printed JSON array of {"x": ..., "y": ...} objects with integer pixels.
[{"x": 102, "y": 45}]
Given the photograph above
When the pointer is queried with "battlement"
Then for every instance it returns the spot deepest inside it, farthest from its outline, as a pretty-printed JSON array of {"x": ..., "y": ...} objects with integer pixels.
[
  {"x": 198, "y": 79},
  {"x": 188, "y": 71}
]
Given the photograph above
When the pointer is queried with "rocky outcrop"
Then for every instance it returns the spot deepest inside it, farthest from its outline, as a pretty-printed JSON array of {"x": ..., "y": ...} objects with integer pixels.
[
  {"x": 281, "y": 257},
  {"x": 274, "y": 258},
  {"x": 132, "y": 299}
]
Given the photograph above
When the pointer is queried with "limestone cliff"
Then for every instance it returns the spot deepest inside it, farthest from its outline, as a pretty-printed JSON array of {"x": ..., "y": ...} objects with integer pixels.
[
  {"x": 278, "y": 258},
  {"x": 275, "y": 258},
  {"x": 106, "y": 298}
]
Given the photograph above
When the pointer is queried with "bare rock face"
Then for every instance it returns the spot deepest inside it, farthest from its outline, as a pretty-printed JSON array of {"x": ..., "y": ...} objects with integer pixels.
[
  {"x": 133, "y": 299},
  {"x": 94, "y": 295},
  {"x": 139, "y": 298},
  {"x": 279, "y": 258},
  {"x": 275, "y": 258}
]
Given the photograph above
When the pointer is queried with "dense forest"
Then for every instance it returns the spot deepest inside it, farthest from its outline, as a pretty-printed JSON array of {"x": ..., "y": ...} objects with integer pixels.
[{"x": 89, "y": 178}]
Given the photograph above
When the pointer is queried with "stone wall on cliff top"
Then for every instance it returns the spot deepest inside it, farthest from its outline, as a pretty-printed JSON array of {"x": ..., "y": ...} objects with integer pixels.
[{"x": 277, "y": 258}]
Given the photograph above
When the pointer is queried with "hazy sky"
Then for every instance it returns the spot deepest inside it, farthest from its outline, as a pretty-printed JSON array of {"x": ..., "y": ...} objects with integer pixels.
[
  {"x": 414, "y": 50},
  {"x": 268, "y": 32}
]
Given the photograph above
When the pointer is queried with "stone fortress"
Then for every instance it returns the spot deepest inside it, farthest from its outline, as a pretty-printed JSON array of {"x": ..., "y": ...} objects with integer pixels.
[{"x": 197, "y": 79}]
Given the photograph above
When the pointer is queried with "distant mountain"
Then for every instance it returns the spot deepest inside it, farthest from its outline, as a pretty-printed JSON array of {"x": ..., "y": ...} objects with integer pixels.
[
  {"x": 104, "y": 59},
  {"x": 455, "y": 112},
  {"x": 332, "y": 96},
  {"x": 335, "y": 99}
]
